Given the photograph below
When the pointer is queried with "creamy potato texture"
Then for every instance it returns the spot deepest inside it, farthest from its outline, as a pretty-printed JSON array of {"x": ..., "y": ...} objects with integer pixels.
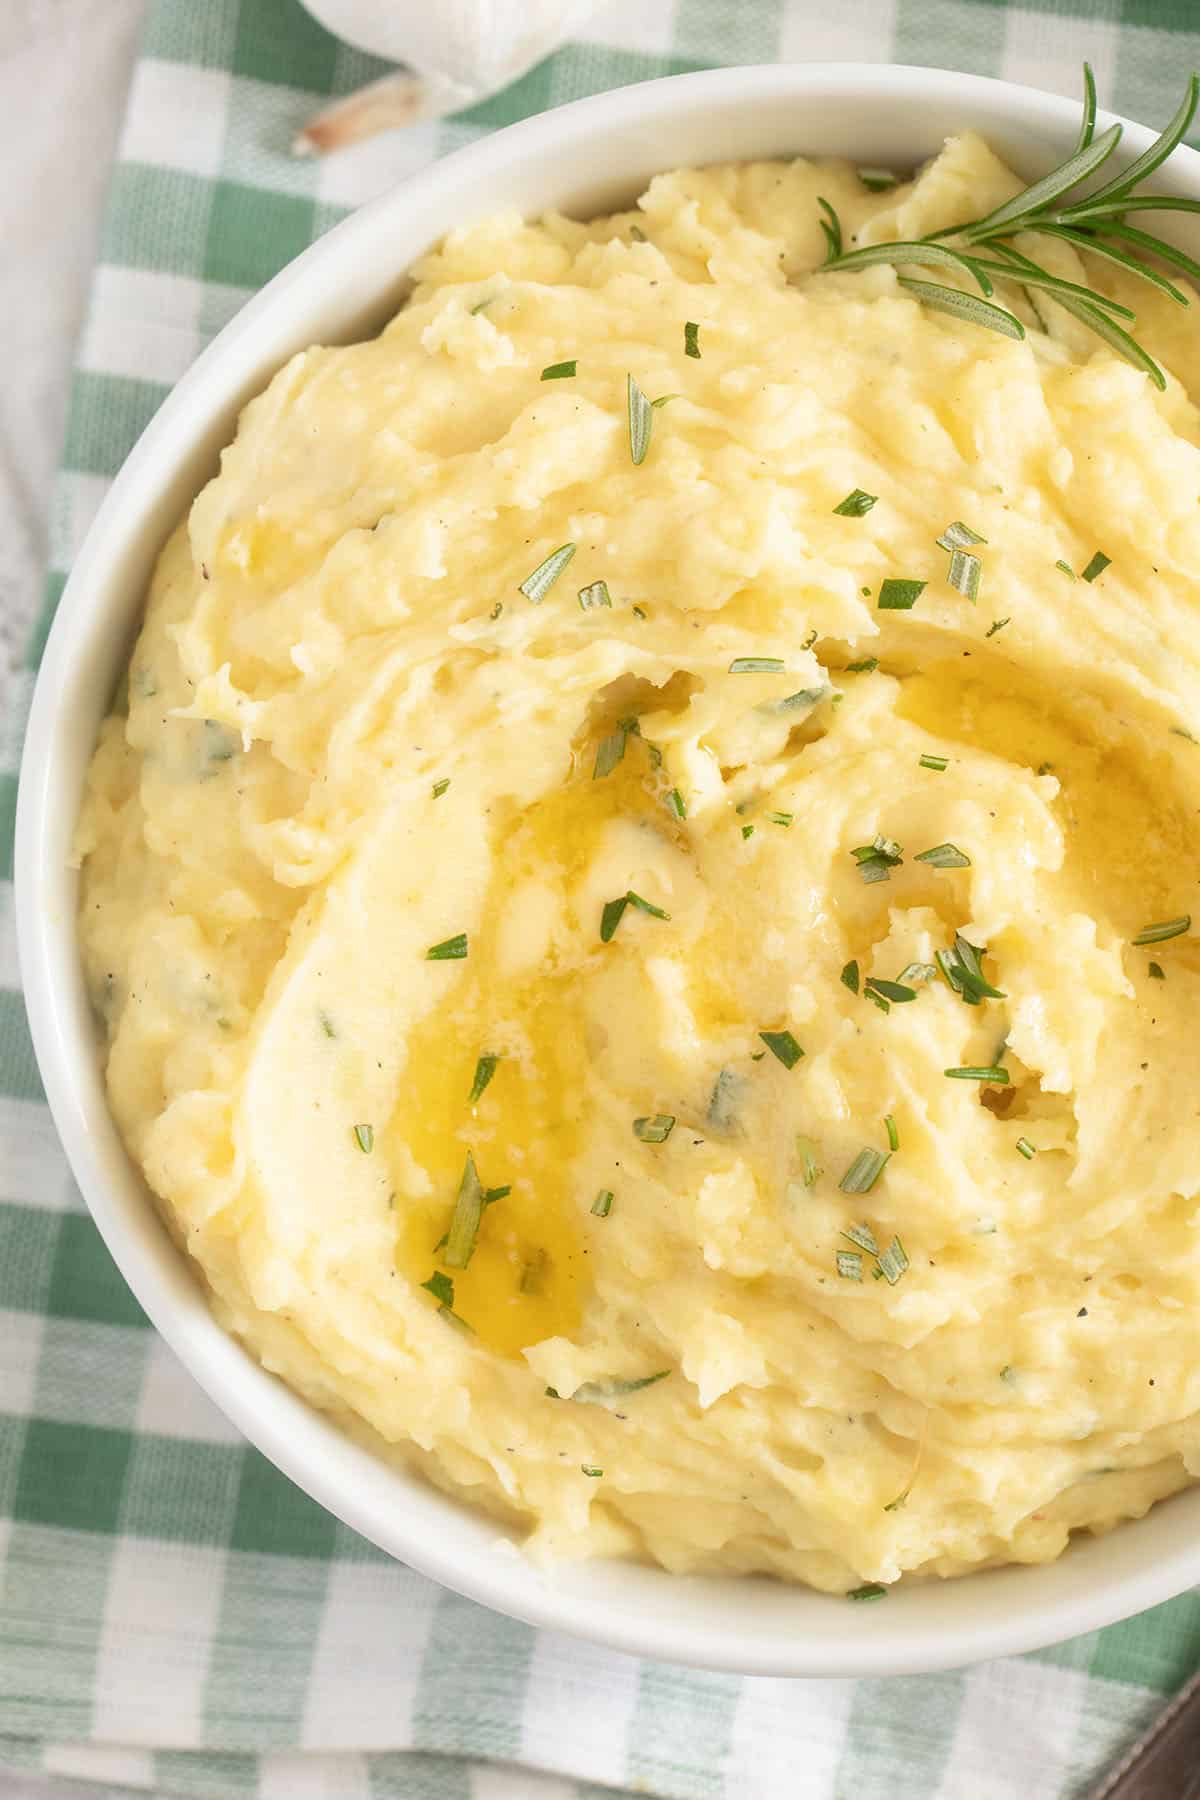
[{"x": 352, "y": 737}]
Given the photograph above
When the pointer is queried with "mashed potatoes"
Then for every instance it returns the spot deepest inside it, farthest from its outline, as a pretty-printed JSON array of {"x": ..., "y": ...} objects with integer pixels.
[{"x": 546, "y": 911}]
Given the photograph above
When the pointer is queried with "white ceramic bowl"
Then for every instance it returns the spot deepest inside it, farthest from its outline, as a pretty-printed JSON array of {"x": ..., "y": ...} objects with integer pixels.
[{"x": 585, "y": 158}]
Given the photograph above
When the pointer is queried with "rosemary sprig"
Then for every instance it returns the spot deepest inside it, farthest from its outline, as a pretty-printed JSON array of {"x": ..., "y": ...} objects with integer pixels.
[{"x": 1093, "y": 223}]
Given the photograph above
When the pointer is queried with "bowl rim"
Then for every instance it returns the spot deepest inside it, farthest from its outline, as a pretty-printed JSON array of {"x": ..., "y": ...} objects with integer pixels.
[{"x": 398, "y": 1511}]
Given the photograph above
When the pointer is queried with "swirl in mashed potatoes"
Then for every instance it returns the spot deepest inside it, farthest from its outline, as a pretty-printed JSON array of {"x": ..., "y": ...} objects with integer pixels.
[{"x": 623, "y": 977}]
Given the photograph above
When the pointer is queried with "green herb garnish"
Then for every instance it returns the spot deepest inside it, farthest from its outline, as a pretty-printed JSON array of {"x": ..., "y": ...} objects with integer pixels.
[
  {"x": 810, "y": 1167},
  {"x": 593, "y": 595},
  {"x": 614, "y": 912},
  {"x": 464, "y": 1223},
  {"x": 641, "y": 420},
  {"x": 877, "y": 181},
  {"x": 850, "y": 977},
  {"x": 439, "y": 787},
  {"x": 959, "y": 537},
  {"x": 537, "y": 585},
  {"x": 485, "y": 1068},
  {"x": 1170, "y": 928},
  {"x": 916, "y": 971},
  {"x": 899, "y": 594},
  {"x": 856, "y": 503},
  {"x": 849, "y": 1265},
  {"x": 1156, "y": 971},
  {"x": 1066, "y": 568},
  {"x": 1097, "y": 566},
  {"x": 779, "y": 818},
  {"x": 364, "y": 1136},
  {"x": 326, "y": 1023},
  {"x": 864, "y": 1237},
  {"x": 895, "y": 991},
  {"x": 864, "y": 1172},
  {"x": 871, "y": 1590},
  {"x": 451, "y": 949},
  {"x": 747, "y": 831},
  {"x": 559, "y": 371},
  {"x": 675, "y": 804},
  {"x": 1028, "y": 1150},
  {"x": 893, "y": 1136},
  {"x": 782, "y": 1045},
  {"x": 602, "y": 1204},
  {"x": 963, "y": 971},
  {"x": 997, "y": 625},
  {"x": 893, "y": 1262},
  {"x": 939, "y": 763},
  {"x": 757, "y": 665},
  {"x": 591, "y": 1470},
  {"x": 1093, "y": 221},
  {"x": 654, "y": 1129},
  {"x": 612, "y": 748},
  {"x": 966, "y": 572},
  {"x": 944, "y": 856},
  {"x": 973, "y": 1072},
  {"x": 867, "y": 665},
  {"x": 442, "y": 1289},
  {"x": 595, "y": 1393},
  {"x": 876, "y": 859},
  {"x": 691, "y": 339}
]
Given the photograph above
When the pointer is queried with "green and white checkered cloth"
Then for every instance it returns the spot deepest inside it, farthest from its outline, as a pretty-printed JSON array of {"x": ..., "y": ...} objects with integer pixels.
[{"x": 175, "y": 1616}]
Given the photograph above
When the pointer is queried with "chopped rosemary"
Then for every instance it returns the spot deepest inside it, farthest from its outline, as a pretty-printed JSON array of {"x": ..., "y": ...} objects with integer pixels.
[
  {"x": 591, "y": 1470},
  {"x": 870, "y": 1590},
  {"x": 757, "y": 665},
  {"x": 997, "y": 625},
  {"x": 654, "y": 1129},
  {"x": 866, "y": 666},
  {"x": 612, "y": 748},
  {"x": 893, "y": 1262},
  {"x": 876, "y": 859},
  {"x": 864, "y": 1172},
  {"x": 538, "y": 583},
  {"x": 1170, "y": 928},
  {"x": 451, "y": 949},
  {"x": 1066, "y": 568},
  {"x": 779, "y": 818},
  {"x": 675, "y": 804},
  {"x": 811, "y": 1168},
  {"x": 364, "y": 1136},
  {"x": 864, "y": 1237},
  {"x": 893, "y": 1136},
  {"x": 1028, "y": 1150},
  {"x": 963, "y": 970},
  {"x": 877, "y": 181},
  {"x": 747, "y": 831},
  {"x": 856, "y": 503},
  {"x": 559, "y": 371},
  {"x": 966, "y": 572},
  {"x": 899, "y": 594},
  {"x": 442, "y": 1289},
  {"x": 485, "y": 1068},
  {"x": 999, "y": 1077},
  {"x": 691, "y": 339},
  {"x": 944, "y": 856},
  {"x": 593, "y": 595},
  {"x": 1156, "y": 971},
  {"x": 783, "y": 1046},
  {"x": 849, "y": 1265},
  {"x": 959, "y": 537},
  {"x": 464, "y": 1223},
  {"x": 916, "y": 971},
  {"x": 831, "y": 229},
  {"x": 895, "y": 991},
  {"x": 595, "y": 1393},
  {"x": 1097, "y": 566},
  {"x": 641, "y": 420},
  {"x": 939, "y": 763},
  {"x": 850, "y": 977},
  {"x": 602, "y": 1204},
  {"x": 439, "y": 787}
]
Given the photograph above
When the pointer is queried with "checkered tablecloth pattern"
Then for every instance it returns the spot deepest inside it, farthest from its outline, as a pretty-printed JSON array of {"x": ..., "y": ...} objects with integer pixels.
[{"x": 174, "y": 1615}]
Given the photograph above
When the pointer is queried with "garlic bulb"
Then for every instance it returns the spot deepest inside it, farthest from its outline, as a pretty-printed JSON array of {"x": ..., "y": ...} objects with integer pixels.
[{"x": 454, "y": 53}]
